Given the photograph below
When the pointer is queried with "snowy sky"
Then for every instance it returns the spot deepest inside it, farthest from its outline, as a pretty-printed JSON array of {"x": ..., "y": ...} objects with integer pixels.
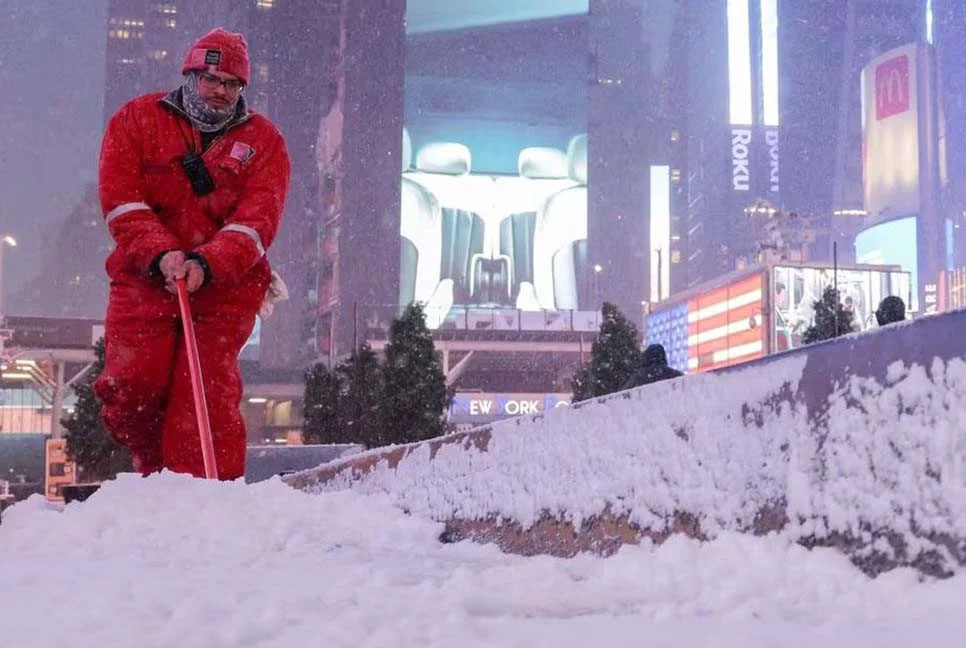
[{"x": 52, "y": 76}]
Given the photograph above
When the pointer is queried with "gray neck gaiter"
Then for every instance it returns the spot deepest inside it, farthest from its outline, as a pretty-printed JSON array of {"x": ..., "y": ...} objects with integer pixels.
[{"x": 204, "y": 117}]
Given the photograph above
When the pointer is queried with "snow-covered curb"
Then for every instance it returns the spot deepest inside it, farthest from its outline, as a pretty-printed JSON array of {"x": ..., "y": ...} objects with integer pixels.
[{"x": 845, "y": 445}]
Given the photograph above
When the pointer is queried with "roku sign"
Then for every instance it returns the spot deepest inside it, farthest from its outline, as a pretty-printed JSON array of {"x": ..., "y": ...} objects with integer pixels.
[
  {"x": 771, "y": 140},
  {"x": 740, "y": 163}
]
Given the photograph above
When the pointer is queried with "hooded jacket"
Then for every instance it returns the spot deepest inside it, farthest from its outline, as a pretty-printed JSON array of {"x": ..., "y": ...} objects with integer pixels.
[
  {"x": 654, "y": 367},
  {"x": 891, "y": 309}
]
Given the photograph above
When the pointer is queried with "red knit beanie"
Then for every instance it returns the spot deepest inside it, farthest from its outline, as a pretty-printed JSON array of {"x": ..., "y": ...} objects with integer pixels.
[{"x": 226, "y": 51}]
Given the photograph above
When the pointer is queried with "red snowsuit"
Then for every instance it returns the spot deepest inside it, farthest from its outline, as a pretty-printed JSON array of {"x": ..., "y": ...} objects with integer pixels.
[{"x": 150, "y": 208}]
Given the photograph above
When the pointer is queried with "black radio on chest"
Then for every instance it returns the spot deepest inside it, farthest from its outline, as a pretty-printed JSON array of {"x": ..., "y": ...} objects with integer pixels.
[{"x": 198, "y": 176}]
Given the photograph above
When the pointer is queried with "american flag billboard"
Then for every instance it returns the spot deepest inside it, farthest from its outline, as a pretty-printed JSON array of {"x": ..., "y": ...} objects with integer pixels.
[{"x": 715, "y": 329}]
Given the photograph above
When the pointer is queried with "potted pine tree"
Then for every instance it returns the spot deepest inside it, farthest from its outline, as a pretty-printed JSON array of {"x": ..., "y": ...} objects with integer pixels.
[{"x": 97, "y": 456}]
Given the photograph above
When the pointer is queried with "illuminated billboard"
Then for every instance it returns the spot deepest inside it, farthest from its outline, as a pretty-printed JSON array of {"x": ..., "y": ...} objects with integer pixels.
[
  {"x": 892, "y": 243},
  {"x": 890, "y": 121},
  {"x": 60, "y": 469},
  {"x": 726, "y": 322},
  {"x": 660, "y": 223},
  {"x": 714, "y": 328},
  {"x": 494, "y": 169},
  {"x": 754, "y": 109},
  {"x": 478, "y": 407},
  {"x": 796, "y": 289},
  {"x": 904, "y": 169}
]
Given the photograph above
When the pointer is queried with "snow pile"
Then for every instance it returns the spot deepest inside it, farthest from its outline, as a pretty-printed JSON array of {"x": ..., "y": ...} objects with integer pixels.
[
  {"x": 893, "y": 455},
  {"x": 880, "y": 466},
  {"x": 170, "y": 561}
]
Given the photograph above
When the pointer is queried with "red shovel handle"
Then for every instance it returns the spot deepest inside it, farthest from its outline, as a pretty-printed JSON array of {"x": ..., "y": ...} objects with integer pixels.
[{"x": 197, "y": 386}]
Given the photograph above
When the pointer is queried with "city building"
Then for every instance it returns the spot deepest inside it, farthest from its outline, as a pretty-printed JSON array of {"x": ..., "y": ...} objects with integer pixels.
[
  {"x": 718, "y": 130},
  {"x": 146, "y": 40},
  {"x": 825, "y": 46},
  {"x": 826, "y": 49},
  {"x": 294, "y": 46},
  {"x": 768, "y": 99}
]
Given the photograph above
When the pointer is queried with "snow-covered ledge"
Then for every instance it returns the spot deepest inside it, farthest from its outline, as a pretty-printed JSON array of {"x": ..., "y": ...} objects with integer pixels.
[{"x": 859, "y": 443}]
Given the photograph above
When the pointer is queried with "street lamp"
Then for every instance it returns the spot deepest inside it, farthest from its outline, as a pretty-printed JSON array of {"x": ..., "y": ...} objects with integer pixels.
[
  {"x": 12, "y": 242},
  {"x": 597, "y": 270}
]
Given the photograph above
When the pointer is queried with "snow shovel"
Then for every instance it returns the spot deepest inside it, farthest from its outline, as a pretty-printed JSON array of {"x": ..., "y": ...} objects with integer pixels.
[{"x": 197, "y": 386}]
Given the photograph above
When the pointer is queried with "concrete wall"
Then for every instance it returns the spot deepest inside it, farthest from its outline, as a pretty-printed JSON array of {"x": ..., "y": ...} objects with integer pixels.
[{"x": 856, "y": 443}]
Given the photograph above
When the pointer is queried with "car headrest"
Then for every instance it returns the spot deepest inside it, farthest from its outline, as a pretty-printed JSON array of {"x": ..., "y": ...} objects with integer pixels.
[
  {"x": 407, "y": 150},
  {"x": 449, "y": 158},
  {"x": 577, "y": 158},
  {"x": 542, "y": 162}
]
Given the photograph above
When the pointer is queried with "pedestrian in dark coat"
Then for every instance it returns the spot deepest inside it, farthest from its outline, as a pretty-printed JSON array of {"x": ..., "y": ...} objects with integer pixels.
[
  {"x": 654, "y": 367},
  {"x": 891, "y": 309}
]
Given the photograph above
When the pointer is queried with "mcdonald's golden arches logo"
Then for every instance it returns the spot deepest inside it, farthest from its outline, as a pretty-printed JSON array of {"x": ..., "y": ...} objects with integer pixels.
[{"x": 892, "y": 87}]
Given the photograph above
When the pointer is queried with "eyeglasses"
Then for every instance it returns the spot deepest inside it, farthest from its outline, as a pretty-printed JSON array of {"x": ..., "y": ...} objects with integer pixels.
[{"x": 212, "y": 82}]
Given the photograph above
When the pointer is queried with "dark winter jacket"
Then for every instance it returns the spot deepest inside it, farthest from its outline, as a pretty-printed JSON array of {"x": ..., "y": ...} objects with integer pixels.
[
  {"x": 891, "y": 309},
  {"x": 654, "y": 367}
]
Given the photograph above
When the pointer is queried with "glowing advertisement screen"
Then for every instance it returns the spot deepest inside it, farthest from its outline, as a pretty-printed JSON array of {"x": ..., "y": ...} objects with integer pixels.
[
  {"x": 796, "y": 289},
  {"x": 891, "y": 139},
  {"x": 892, "y": 243},
  {"x": 494, "y": 170},
  {"x": 753, "y": 98},
  {"x": 660, "y": 218},
  {"x": 717, "y": 328},
  {"x": 478, "y": 407}
]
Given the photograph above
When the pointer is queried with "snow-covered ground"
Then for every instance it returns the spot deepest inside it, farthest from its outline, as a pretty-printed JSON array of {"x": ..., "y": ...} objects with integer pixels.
[{"x": 170, "y": 561}]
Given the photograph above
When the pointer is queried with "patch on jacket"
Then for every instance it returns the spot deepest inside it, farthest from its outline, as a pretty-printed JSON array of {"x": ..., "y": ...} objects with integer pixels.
[{"x": 242, "y": 152}]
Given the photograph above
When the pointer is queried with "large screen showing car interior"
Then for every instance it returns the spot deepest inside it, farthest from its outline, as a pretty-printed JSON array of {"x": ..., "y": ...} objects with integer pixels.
[{"x": 494, "y": 177}]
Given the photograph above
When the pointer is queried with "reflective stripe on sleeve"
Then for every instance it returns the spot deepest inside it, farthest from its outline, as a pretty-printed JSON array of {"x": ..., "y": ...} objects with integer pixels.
[
  {"x": 248, "y": 231},
  {"x": 124, "y": 208}
]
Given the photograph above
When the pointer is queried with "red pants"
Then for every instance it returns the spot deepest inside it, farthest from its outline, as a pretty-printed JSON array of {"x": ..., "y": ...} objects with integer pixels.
[{"x": 145, "y": 388}]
